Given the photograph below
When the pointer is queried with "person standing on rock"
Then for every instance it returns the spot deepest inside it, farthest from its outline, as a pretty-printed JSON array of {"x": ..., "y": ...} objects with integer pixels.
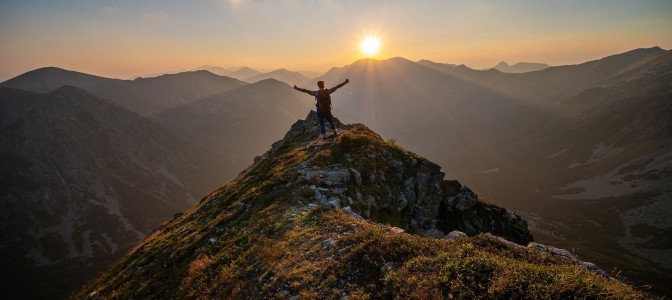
[{"x": 323, "y": 98}]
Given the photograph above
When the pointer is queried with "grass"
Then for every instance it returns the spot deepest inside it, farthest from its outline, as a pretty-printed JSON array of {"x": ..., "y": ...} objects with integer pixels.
[{"x": 255, "y": 237}]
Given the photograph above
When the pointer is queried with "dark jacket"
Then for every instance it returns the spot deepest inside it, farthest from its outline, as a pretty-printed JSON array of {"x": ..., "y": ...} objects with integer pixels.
[{"x": 323, "y": 96}]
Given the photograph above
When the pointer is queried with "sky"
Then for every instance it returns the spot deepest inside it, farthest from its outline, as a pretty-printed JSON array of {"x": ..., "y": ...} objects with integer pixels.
[{"x": 126, "y": 38}]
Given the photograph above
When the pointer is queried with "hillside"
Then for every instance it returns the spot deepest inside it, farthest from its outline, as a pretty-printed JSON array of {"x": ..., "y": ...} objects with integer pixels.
[
  {"x": 284, "y": 75},
  {"x": 421, "y": 105},
  {"x": 521, "y": 67},
  {"x": 229, "y": 129},
  {"x": 580, "y": 150},
  {"x": 242, "y": 73},
  {"x": 81, "y": 181},
  {"x": 145, "y": 96},
  {"x": 544, "y": 88},
  {"x": 315, "y": 220}
]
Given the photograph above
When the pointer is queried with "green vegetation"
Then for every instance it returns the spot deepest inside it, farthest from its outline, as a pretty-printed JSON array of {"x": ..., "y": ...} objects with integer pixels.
[{"x": 260, "y": 237}]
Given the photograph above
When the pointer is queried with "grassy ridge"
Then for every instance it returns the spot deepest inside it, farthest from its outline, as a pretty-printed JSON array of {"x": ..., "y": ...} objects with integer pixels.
[{"x": 262, "y": 237}]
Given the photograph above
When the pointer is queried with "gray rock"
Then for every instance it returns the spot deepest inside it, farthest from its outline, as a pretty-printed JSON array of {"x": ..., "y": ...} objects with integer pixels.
[
  {"x": 327, "y": 244},
  {"x": 469, "y": 228},
  {"x": 562, "y": 253},
  {"x": 340, "y": 191},
  {"x": 360, "y": 197},
  {"x": 397, "y": 165},
  {"x": 455, "y": 234},
  {"x": 409, "y": 190},
  {"x": 318, "y": 195},
  {"x": 357, "y": 176},
  {"x": 401, "y": 202},
  {"x": 421, "y": 183},
  {"x": 335, "y": 176},
  {"x": 465, "y": 199},
  {"x": 592, "y": 267},
  {"x": 503, "y": 240},
  {"x": 334, "y": 202},
  {"x": 397, "y": 230},
  {"x": 342, "y": 252},
  {"x": 315, "y": 130},
  {"x": 351, "y": 213}
]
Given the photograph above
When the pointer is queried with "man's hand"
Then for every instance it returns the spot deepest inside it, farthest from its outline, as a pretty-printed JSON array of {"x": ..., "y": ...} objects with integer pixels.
[
  {"x": 296, "y": 88},
  {"x": 347, "y": 80}
]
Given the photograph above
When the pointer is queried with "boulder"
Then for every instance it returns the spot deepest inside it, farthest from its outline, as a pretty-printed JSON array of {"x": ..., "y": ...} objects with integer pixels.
[
  {"x": 465, "y": 199},
  {"x": 357, "y": 176},
  {"x": 397, "y": 230},
  {"x": 562, "y": 253},
  {"x": 455, "y": 234}
]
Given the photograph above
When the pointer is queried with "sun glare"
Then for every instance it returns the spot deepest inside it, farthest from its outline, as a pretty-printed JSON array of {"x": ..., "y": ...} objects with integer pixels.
[{"x": 370, "y": 45}]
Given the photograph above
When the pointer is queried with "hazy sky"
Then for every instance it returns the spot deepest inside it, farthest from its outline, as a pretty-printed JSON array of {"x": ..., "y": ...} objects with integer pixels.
[{"x": 123, "y": 38}]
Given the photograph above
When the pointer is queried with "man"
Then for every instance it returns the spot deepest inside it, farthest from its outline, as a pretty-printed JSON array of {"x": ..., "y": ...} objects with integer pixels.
[{"x": 323, "y": 98}]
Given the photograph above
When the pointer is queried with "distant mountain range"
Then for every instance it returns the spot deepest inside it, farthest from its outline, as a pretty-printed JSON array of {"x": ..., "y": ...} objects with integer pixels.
[
  {"x": 521, "y": 67},
  {"x": 232, "y": 127},
  {"x": 283, "y": 75},
  {"x": 145, "y": 96},
  {"x": 250, "y": 75},
  {"x": 582, "y": 151}
]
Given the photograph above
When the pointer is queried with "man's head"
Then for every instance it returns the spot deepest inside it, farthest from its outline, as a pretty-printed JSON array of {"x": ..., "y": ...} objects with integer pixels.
[{"x": 320, "y": 84}]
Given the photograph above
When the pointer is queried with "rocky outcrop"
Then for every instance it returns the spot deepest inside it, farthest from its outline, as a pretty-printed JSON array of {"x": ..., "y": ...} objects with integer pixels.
[
  {"x": 341, "y": 218},
  {"x": 384, "y": 183}
]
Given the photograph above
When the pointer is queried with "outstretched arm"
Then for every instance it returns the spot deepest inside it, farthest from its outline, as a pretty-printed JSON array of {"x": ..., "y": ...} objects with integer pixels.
[
  {"x": 331, "y": 90},
  {"x": 309, "y": 92}
]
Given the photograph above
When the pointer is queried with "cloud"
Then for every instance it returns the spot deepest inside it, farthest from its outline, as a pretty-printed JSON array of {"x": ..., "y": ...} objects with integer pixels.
[
  {"x": 159, "y": 16},
  {"x": 111, "y": 10}
]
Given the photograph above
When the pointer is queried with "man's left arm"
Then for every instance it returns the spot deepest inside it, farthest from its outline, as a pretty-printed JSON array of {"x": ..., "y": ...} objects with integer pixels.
[{"x": 339, "y": 86}]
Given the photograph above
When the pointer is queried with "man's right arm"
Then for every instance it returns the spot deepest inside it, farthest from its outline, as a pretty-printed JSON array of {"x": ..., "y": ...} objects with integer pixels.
[{"x": 309, "y": 92}]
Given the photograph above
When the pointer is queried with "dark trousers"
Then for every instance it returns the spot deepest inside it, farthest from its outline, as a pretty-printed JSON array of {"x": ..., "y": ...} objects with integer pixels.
[{"x": 330, "y": 118}]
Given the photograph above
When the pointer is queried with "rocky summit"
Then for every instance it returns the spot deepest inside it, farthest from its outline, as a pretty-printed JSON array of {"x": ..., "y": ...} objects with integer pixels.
[{"x": 353, "y": 217}]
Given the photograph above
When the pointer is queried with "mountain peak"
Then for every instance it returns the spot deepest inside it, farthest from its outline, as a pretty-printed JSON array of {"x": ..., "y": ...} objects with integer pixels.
[
  {"x": 520, "y": 67},
  {"x": 501, "y": 64},
  {"x": 331, "y": 218}
]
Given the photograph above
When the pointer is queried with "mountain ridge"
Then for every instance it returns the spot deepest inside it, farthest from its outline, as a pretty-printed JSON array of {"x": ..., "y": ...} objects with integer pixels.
[
  {"x": 520, "y": 67},
  {"x": 223, "y": 124},
  {"x": 145, "y": 96},
  {"x": 282, "y": 74},
  {"x": 81, "y": 181},
  {"x": 532, "y": 161},
  {"x": 281, "y": 229}
]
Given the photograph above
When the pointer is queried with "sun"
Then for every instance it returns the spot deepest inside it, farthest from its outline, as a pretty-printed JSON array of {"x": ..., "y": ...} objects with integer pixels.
[{"x": 370, "y": 45}]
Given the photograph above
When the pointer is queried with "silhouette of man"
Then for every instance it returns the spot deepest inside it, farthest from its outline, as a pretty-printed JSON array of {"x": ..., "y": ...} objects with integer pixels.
[{"x": 323, "y": 98}]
